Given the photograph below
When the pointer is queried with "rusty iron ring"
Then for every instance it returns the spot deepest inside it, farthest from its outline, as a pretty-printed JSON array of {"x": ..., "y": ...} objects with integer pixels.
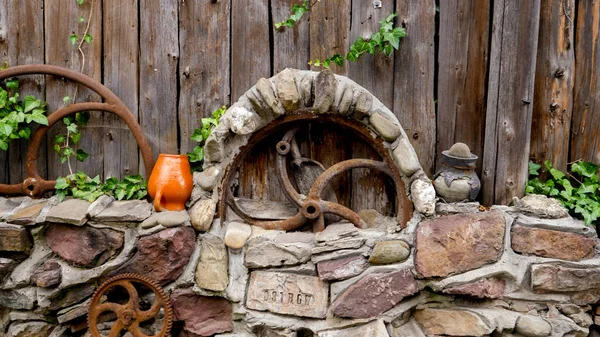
[
  {"x": 403, "y": 205},
  {"x": 129, "y": 315},
  {"x": 34, "y": 185}
]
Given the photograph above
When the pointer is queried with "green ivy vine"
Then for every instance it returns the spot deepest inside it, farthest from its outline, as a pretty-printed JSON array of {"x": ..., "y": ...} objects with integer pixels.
[
  {"x": 386, "y": 40},
  {"x": 16, "y": 115},
  {"x": 577, "y": 189},
  {"x": 200, "y": 135},
  {"x": 81, "y": 186}
]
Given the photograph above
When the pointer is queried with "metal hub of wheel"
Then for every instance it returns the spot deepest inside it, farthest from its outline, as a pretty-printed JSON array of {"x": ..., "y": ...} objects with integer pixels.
[{"x": 130, "y": 315}]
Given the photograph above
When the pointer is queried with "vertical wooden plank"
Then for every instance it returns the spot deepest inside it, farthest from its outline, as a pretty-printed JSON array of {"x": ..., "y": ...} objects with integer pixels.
[
  {"x": 330, "y": 31},
  {"x": 509, "y": 110},
  {"x": 250, "y": 54},
  {"x": 121, "y": 49},
  {"x": 553, "y": 99},
  {"x": 61, "y": 20},
  {"x": 22, "y": 42},
  {"x": 462, "y": 59},
  {"x": 376, "y": 74},
  {"x": 291, "y": 46},
  {"x": 204, "y": 71},
  {"x": 585, "y": 140},
  {"x": 413, "y": 77},
  {"x": 159, "y": 56}
]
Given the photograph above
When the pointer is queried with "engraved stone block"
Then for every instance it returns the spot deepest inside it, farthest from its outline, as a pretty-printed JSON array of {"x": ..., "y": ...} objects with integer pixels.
[{"x": 285, "y": 293}]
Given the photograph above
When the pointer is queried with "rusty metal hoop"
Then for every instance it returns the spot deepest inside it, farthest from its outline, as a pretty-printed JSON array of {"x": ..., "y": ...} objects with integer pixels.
[
  {"x": 129, "y": 316},
  {"x": 34, "y": 185},
  {"x": 312, "y": 207}
]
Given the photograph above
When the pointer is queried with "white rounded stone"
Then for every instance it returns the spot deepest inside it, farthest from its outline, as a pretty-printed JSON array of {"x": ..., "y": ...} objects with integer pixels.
[{"x": 237, "y": 234}]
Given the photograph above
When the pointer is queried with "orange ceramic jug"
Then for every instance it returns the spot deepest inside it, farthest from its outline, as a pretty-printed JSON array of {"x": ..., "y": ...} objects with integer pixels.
[{"x": 171, "y": 182}]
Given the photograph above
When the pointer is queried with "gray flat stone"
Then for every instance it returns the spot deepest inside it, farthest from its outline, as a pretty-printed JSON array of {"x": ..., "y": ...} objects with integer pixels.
[
  {"x": 125, "y": 211},
  {"x": 7, "y": 206},
  {"x": 406, "y": 158},
  {"x": 99, "y": 205},
  {"x": 167, "y": 219},
  {"x": 568, "y": 225},
  {"x": 20, "y": 299},
  {"x": 285, "y": 249},
  {"x": 71, "y": 211}
]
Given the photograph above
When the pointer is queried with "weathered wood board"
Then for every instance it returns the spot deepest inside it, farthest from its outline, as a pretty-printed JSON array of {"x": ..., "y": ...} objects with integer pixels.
[
  {"x": 510, "y": 94},
  {"x": 554, "y": 78},
  {"x": 462, "y": 74},
  {"x": 414, "y": 77},
  {"x": 61, "y": 21},
  {"x": 159, "y": 57},
  {"x": 585, "y": 139},
  {"x": 204, "y": 69}
]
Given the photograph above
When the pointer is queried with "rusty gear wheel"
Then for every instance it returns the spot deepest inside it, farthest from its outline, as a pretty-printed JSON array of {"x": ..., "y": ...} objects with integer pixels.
[{"x": 129, "y": 315}]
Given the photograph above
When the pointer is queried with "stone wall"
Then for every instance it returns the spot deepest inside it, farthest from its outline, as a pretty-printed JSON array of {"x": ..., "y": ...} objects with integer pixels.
[{"x": 527, "y": 270}]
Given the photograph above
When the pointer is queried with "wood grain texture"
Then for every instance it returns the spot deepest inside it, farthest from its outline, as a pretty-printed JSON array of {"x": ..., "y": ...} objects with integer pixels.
[
  {"x": 121, "y": 62},
  {"x": 585, "y": 140},
  {"x": 330, "y": 31},
  {"x": 509, "y": 111},
  {"x": 291, "y": 46},
  {"x": 371, "y": 189},
  {"x": 462, "y": 74},
  {"x": 250, "y": 53},
  {"x": 60, "y": 22},
  {"x": 414, "y": 77},
  {"x": 159, "y": 56},
  {"x": 22, "y": 42},
  {"x": 554, "y": 78},
  {"x": 204, "y": 71}
]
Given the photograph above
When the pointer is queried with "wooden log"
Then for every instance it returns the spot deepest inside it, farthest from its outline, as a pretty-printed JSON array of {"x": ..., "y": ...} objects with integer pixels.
[
  {"x": 510, "y": 95},
  {"x": 250, "y": 56},
  {"x": 585, "y": 140},
  {"x": 22, "y": 42},
  {"x": 291, "y": 46},
  {"x": 554, "y": 78},
  {"x": 204, "y": 70},
  {"x": 121, "y": 75},
  {"x": 414, "y": 77},
  {"x": 61, "y": 20},
  {"x": 329, "y": 31},
  {"x": 159, "y": 57},
  {"x": 461, "y": 91}
]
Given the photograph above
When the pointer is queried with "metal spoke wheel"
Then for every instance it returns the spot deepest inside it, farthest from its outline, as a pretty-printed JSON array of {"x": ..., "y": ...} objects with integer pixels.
[{"x": 130, "y": 314}]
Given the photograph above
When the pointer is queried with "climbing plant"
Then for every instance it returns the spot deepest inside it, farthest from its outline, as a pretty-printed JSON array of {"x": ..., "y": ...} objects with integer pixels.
[
  {"x": 17, "y": 115},
  {"x": 386, "y": 40},
  {"x": 577, "y": 189},
  {"x": 200, "y": 135}
]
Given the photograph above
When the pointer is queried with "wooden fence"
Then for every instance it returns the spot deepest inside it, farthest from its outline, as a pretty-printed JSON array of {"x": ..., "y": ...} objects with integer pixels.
[{"x": 515, "y": 80}]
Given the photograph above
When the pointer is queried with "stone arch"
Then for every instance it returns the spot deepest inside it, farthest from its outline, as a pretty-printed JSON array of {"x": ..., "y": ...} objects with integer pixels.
[{"x": 291, "y": 91}]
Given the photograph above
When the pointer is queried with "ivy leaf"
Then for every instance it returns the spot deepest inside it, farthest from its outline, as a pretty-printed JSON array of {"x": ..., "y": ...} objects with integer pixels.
[
  {"x": 394, "y": 37},
  {"x": 135, "y": 179},
  {"x": 585, "y": 169},
  {"x": 7, "y": 129},
  {"x": 120, "y": 194},
  {"x": 87, "y": 38},
  {"x": 31, "y": 103},
  {"x": 61, "y": 183},
  {"x": 534, "y": 168},
  {"x": 75, "y": 137},
  {"x": 3, "y": 98},
  {"x": 338, "y": 59},
  {"x": 81, "y": 19},
  {"x": 13, "y": 83},
  {"x": 72, "y": 128},
  {"x": 73, "y": 38},
  {"x": 197, "y": 136},
  {"x": 66, "y": 100},
  {"x": 25, "y": 133},
  {"x": 80, "y": 2},
  {"x": 3, "y": 144},
  {"x": 82, "y": 118},
  {"x": 81, "y": 155}
]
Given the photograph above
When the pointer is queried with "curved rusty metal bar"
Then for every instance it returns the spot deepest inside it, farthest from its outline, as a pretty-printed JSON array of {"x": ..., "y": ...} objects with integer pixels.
[{"x": 34, "y": 185}]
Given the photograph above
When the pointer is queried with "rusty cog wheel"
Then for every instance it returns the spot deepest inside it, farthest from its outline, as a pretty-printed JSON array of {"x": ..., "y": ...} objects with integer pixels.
[{"x": 129, "y": 315}]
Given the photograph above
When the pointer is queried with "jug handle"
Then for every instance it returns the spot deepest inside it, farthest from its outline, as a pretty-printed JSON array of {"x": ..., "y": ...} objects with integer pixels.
[{"x": 157, "y": 206}]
